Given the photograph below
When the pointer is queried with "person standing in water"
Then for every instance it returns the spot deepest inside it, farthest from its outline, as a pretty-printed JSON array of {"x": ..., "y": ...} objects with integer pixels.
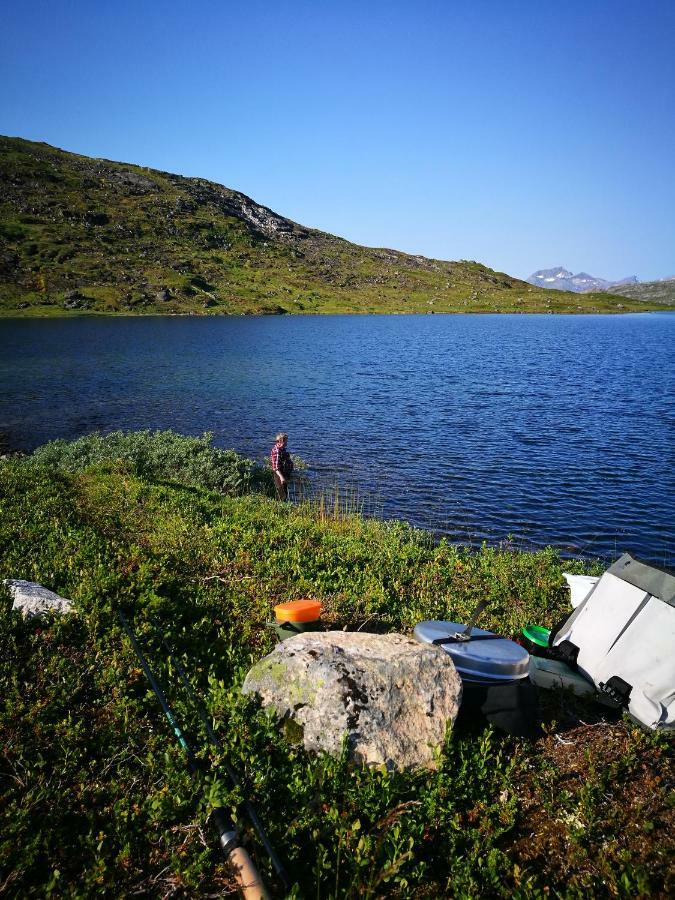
[{"x": 282, "y": 465}]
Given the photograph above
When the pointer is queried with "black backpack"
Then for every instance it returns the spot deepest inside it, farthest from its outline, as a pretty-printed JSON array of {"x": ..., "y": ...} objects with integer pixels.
[{"x": 285, "y": 463}]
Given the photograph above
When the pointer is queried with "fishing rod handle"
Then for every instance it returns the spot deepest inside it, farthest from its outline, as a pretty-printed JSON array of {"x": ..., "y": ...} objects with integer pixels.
[{"x": 249, "y": 882}]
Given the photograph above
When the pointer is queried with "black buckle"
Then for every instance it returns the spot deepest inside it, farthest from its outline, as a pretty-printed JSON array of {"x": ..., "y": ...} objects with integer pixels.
[{"x": 616, "y": 690}]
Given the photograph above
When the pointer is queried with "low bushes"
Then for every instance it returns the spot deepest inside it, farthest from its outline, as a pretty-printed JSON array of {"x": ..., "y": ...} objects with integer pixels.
[
  {"x": 94, "y": 793},
  {"x": 160, "y": 455}
]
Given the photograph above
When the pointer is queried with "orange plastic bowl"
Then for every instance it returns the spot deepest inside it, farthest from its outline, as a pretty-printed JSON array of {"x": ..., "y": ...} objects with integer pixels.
[{"x": 298, "y": 611}]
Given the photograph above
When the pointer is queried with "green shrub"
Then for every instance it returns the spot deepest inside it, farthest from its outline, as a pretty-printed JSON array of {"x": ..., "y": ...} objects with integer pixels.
[{"x": 160, "y": 455}]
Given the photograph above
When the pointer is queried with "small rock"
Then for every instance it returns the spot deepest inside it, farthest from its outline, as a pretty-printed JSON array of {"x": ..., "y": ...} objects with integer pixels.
[
  {"x": 75, "y": 300},
  {"x": 390, "y": 696},
  {"x": 33, "y": 599}
]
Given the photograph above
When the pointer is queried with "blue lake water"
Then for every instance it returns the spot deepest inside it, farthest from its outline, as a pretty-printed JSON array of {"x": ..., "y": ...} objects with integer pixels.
[{"x": 542, "y": 429}]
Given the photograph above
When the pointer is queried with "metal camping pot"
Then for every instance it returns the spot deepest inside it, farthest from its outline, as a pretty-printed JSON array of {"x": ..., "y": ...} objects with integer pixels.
[
  {"x": 481, "y": 657},
  {"x": 494, "y": 673}
]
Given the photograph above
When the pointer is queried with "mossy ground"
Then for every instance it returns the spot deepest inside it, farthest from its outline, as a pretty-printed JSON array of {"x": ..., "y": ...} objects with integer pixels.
[
  {"x": 127, "y": 240},
  {"x": 94, "y": 793}
]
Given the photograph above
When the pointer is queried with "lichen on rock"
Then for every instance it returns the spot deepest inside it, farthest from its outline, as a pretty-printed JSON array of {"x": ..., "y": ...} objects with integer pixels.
[{"x": 390, "y": 696}]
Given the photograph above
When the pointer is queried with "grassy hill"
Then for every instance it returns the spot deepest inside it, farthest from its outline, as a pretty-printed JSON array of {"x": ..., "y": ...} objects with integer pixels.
[{"x": 81, "y": 235}]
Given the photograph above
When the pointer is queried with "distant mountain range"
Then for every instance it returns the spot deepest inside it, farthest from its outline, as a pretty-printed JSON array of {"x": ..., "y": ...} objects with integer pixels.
[
  {"x": 561, "y": 279},
  {"x": 90, "y": 236}
]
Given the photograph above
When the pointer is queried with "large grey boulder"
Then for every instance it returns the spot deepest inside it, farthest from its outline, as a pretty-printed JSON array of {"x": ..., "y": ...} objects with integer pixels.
[
  {"x": 390, "y": 695},
  {"x": 33, "y": 599}
]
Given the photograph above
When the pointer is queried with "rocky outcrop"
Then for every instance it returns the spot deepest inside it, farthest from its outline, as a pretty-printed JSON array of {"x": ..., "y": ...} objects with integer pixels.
[
  {"x": 33, "y": 599},
  {"x": 389, "y": 696}
]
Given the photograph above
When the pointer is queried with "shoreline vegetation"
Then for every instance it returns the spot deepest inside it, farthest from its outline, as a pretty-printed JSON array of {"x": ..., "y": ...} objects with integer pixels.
[
  {"x": 82, "y": 236},
  {"x": 45, "y": 313},
  {"x": 95, "y": 797}
]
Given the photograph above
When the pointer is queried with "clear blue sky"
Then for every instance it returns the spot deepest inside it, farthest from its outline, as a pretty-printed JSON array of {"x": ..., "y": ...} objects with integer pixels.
[{"x": 521, "y": 134}]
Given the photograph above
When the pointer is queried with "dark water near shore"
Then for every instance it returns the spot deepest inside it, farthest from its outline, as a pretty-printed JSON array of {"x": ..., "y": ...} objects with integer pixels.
[{"x": 547, "y": 429}]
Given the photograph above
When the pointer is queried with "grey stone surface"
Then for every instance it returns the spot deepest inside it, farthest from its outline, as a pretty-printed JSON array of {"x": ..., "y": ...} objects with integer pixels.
[
  {"x": 391, "y": 696},
  {"x": 33, "y": 599}
]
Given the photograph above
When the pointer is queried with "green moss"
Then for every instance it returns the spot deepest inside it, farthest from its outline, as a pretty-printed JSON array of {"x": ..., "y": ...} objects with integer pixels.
[{"x": 293, "y": 732}]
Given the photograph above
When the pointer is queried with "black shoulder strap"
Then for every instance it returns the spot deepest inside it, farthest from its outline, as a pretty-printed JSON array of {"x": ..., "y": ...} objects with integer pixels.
[{"x": 461, "y": 639}]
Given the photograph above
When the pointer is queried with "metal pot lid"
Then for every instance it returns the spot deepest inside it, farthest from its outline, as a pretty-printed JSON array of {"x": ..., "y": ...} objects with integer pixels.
[{"x": 495, "y": 659}]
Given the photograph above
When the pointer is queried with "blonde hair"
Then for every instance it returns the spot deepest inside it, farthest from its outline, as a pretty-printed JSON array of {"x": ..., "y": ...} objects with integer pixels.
[{"x": 282, "y": 436}]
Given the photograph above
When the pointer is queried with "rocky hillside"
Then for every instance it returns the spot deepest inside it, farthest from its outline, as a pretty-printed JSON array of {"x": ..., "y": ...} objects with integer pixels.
[
  {"x": 662, "y": 291},
  {"x": 81, "y": 235}
]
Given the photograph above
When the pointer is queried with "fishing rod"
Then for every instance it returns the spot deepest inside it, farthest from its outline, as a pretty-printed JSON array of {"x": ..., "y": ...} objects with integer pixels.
[
  {"x": 231, "y": 773},
  {"x": 249, "y": 882}
]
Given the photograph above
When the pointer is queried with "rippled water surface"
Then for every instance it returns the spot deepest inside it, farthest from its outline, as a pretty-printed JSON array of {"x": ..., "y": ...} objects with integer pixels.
[{"x": 542, "y": 429}]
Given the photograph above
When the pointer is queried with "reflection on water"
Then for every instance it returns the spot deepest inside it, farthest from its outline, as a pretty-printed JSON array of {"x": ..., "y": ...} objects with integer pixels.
[{"x": 544, "y": 429}]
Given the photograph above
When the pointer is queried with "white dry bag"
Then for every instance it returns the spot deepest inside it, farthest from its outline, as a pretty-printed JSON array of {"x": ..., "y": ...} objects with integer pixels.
[{"x": 622, "y": 638}]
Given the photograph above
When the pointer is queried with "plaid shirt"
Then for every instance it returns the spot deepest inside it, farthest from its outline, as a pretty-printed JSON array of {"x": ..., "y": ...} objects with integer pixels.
[
  {"x": 281, "y": 460},
  {"x": 274, "y": 458}
]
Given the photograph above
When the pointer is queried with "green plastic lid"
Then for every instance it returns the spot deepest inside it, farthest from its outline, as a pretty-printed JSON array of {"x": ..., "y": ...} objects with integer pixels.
[{"x": 537, "y": 635}]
